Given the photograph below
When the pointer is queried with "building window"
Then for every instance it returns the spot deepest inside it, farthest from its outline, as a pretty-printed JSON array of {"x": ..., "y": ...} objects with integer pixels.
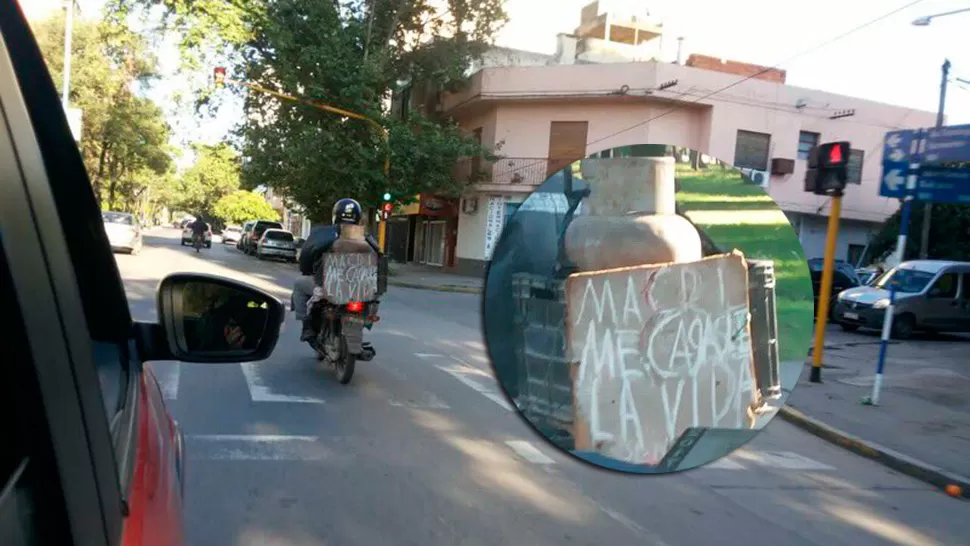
[
  {"x": 856, "y": 158},
  {"x": 751, "y": 150},
  {"x": 854, "y": 256},
  {"x": 806, "y": 141}
]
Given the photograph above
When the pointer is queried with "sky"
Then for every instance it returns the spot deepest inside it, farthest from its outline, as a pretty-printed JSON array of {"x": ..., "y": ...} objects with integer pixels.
[{"x": 890, "y": 61}]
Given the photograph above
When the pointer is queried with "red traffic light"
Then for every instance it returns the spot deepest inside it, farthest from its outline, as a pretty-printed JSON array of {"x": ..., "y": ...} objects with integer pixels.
[
  {"x": 387, "y": 207},
  {"x": 220, "y": 75},
  {"x": 834, "y": 154}
]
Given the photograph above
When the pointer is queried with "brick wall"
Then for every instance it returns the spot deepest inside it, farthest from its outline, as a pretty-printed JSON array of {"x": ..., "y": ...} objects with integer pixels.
[{"x": 735, "y": 67}]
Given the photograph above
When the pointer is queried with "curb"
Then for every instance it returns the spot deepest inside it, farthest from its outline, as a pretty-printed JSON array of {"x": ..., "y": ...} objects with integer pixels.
[
  {"x": 883, "y": 455},
  {"x": 440, "y": 288}
]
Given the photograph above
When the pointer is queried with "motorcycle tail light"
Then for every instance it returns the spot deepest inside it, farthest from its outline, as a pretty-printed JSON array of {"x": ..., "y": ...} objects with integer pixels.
[{"x": 355, "y": 307}]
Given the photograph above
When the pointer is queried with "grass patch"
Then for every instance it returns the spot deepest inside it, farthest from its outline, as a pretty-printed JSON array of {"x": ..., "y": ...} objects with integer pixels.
[
  {"x": 718, "y": 189},
  {"x": 739, "y": 215}
]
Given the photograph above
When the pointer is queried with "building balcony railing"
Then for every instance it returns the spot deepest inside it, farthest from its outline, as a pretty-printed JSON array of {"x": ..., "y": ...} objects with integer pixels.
[{"x": 520, "y": 171}]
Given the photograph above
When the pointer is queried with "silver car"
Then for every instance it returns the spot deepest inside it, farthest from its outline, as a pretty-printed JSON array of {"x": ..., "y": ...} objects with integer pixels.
[
  {"x": 123, "y": 231},
  {"x": 931, "y": 296},
  {"x": 276, "y": 243}
]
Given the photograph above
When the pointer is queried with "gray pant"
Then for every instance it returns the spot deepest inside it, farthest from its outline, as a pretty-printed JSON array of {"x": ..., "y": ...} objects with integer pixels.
[{"x": 302, "y": 291}]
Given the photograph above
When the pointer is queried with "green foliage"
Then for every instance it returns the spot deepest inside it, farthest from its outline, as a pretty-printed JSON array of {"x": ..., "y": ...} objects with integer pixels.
[
  {"x": 124, "y": 137},
  {"x": 348, "y": 54},
  {"x": 214, "y": 175},
  {"x": 241, "y": 206},
  {"x": 949, "y": 234}
]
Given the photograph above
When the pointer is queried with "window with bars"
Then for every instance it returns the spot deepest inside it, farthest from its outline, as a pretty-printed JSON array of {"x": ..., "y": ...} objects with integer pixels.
[
  {"x": 806, "y": 141},
  {"x": 751, "y": 150},
  {"x": 856, "y": 159}
]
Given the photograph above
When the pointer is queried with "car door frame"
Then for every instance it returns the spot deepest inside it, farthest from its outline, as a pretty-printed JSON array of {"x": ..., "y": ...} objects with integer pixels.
[
  {"x": 37, "y": 147},
  {"x": 943, "y": 308}
]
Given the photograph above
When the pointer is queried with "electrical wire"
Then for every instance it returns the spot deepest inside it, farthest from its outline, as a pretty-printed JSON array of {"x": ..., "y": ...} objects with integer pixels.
[{"x": 756, "y": 74}]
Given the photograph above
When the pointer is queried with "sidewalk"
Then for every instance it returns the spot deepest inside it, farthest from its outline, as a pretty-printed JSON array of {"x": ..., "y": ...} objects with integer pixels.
[
  {"x": 922, "y": 424},
  {"x": 433, "y": 278}
]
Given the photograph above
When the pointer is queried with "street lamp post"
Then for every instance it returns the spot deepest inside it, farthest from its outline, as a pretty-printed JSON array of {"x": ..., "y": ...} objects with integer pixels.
[{"x": 924, "y": 246}]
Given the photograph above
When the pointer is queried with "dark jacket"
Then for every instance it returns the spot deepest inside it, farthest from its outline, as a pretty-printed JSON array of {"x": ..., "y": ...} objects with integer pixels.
[
  {"x": 320, "y": 240},
  {"x": 199, "y": 226}
]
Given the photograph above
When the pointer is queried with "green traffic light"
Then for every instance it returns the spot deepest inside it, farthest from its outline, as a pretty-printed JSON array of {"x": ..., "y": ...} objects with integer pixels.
[{"x": 387, "y": 197}]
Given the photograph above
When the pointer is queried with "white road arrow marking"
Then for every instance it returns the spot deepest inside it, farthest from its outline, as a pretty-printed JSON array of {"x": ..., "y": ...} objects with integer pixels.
[{"x": 894, "y": 179}]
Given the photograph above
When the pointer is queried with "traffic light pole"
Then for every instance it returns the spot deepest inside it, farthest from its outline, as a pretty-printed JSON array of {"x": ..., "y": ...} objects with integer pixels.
[{"x": 825, "y": 291}]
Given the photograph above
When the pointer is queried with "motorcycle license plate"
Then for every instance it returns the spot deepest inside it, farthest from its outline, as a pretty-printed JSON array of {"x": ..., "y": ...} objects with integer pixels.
[{"x": 352, "y": 320}]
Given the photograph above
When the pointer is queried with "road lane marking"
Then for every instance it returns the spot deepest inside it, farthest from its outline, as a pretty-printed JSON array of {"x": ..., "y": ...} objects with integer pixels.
[
  {"x": 477, "y": 387},
  {"x": 430, "y": 401},
  {"x": 428, "y": 355},
  {"x": 260, "y": 392},
  {"x": 167, "y": 375},
  {"x": 529, "y": 452},
  {"x": 785, "y": 460},
  {"x": 723, "y": 464},
  {"x": 651, "y": 538},
  {"x": 255, "y": 447}
]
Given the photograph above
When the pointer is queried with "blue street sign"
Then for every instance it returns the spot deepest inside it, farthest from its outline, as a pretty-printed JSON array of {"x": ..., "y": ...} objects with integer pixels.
[
  {"x": 947, "y": 144},
  {"x": 893, "y": 181},
  {"x": 942, "y": 185},
  {"x": 898, "y": 146}
]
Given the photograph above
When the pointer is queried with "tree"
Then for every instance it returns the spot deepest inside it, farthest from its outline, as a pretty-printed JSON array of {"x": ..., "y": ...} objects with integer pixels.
[
  {"x": 214, "y": 175},
  {"x": 348, "y": 54},
  {"x": 124, "y": 136},
  {"x": 949, "y": 234},
  {"x": 241, "y": 206}
]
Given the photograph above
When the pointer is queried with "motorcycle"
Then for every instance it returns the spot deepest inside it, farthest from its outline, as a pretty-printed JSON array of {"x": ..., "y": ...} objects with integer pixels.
[
  {"x": 339, "y": 335},
  {"x": 198, "y": 242}
]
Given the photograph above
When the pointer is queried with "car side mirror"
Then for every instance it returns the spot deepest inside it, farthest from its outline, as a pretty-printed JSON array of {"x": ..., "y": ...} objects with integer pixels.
[{"x": 211, "y": 319}]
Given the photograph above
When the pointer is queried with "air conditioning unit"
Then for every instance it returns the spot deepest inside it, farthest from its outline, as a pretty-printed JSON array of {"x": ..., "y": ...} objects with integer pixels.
[{"x": 760, "y": 178}]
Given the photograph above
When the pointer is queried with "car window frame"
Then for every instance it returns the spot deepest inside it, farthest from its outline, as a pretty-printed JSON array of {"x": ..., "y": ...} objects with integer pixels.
[
  {"x": 38, "y": 148},
  {"x": 932, "y": 285}
]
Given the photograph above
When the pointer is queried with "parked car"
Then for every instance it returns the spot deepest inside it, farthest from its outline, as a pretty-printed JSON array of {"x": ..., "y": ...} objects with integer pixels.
[
  {"x": 931, "y": 296},
  {"x": 251, "y": 239},
  {"x": 844, "y": 277},
  {"x": 124, "y": 233},
  {"x": 231, "y": 234},
  {"x": 90, "y": 454},
  {"x": 246, "y": 230},
  {"x": 187, "y": 235},
  {"x": 276, "y": 243}
]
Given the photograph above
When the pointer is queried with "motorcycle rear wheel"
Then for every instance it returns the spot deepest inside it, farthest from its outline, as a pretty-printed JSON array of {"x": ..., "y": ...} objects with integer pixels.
[{"x": 345, "y": 364}]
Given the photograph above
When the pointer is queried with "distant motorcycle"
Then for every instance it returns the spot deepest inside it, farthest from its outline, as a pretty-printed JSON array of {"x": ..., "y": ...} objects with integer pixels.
[
  {"x": 339, "y": 334},
  {"x": 198, "y": 241}
]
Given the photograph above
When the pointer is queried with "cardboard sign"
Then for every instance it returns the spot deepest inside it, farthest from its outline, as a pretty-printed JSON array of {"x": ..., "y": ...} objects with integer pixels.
[
  {"x": 657, "y": 350},
  {"x": 347, "y": 277}
]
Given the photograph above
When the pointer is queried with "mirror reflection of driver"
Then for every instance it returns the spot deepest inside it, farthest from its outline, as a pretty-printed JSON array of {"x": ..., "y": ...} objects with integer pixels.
[{"x": 230, "y": 321}]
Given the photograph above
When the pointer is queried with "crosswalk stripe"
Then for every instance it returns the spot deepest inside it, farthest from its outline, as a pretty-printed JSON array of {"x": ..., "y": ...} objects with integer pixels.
[
  {"x": 529, "y": 452},
  {"x": 477, "y": 387},
  {"x": 260, "y": 392}
]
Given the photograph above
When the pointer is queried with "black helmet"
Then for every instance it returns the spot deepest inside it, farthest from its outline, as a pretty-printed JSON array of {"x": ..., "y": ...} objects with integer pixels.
[{"x": 347, "y": 211}]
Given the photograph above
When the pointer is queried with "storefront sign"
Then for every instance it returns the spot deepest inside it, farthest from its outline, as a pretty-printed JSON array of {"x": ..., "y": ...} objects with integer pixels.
[
  {"x": 436, "y": 206},
  {"x": 494, "y": 222}
]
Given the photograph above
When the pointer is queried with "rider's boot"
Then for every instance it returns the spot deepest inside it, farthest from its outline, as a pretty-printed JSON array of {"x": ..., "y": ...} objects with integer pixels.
[{"x": 307, "y": 333}]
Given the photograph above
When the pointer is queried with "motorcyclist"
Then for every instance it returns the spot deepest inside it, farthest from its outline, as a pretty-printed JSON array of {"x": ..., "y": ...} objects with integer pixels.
[
  {"x": 199, "y": 228},
  {"x": 320, "y": 240}
]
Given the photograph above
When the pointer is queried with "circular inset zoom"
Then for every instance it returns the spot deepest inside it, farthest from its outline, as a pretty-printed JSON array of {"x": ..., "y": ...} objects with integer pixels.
[{"x": 648, "y": 314}]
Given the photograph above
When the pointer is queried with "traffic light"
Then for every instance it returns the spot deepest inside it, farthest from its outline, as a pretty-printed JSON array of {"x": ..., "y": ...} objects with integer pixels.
[
  {"x": 219, "y": 74},
  {"x": 387, "y": 196},
  {"x": 386, "y": 209},
  {"x": 828, "y": 169}
]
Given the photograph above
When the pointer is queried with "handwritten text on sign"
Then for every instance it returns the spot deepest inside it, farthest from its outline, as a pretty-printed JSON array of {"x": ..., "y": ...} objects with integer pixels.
[
  {"x": 349, "y": 277},
  {"x": 660, "y": 349}
]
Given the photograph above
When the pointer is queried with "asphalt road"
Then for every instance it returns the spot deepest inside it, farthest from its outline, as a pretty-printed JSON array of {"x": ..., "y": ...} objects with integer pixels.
[{"x": 422, "y": 448}]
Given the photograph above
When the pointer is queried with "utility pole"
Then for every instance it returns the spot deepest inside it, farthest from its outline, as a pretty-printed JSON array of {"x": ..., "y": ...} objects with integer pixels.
[
  {"x": 68, "y": 31},
  {"x": 924, "y": 247}
]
